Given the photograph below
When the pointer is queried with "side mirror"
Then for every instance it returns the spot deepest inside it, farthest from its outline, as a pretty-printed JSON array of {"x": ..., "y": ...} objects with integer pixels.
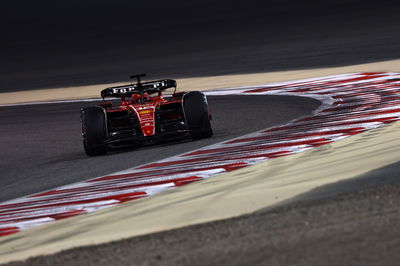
[{"x": 106, "y": 105}]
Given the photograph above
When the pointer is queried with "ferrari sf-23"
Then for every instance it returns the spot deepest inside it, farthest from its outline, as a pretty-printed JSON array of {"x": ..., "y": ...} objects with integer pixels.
[{"x": 143, "y": 115}]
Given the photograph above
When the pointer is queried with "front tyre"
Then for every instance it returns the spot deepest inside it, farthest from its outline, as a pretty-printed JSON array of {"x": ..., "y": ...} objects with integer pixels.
[
  {"x": 94, "y": 130},
  {"x": 197, "y": 117},
  {"x": 92, "y": 150}
]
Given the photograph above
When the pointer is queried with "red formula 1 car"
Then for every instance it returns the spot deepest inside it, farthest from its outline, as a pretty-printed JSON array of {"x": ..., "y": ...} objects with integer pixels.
[{"x": 144, "y": 116}]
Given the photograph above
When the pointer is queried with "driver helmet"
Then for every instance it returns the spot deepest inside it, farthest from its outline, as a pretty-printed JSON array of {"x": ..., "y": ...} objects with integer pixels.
[
  {"x": 135, "y": 97},
  {"x": 145, "y": 96}
]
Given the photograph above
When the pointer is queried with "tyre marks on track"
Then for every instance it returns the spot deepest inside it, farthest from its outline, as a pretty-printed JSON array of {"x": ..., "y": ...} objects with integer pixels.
[{"x": 351, "y": 104}]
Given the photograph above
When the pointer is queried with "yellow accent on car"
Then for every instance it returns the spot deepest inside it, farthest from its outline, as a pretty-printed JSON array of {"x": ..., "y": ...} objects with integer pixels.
[{"x": 144, "y": 112}]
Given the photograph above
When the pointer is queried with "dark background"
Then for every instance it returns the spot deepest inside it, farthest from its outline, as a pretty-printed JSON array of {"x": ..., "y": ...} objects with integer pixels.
[{"x": 48, "y": 44}]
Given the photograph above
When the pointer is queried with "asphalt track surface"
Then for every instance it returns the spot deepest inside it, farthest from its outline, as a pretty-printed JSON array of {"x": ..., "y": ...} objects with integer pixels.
[
  {"x": 48, "y": 47},
  {"x": 42, "y": 145}
]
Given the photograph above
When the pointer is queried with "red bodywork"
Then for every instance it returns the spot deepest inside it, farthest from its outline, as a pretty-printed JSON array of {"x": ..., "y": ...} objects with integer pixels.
[{"x": 144, "y": 110}]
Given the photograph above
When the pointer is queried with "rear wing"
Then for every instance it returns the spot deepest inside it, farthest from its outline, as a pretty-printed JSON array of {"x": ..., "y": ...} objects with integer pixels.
[{"x": 149, "y": 87}]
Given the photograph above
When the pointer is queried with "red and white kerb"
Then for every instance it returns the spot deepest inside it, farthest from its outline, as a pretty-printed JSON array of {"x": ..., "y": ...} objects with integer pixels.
[{"x": 351, "y": 103}]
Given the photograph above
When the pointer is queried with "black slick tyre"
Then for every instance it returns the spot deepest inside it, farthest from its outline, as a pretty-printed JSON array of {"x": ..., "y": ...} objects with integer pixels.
[
  {"x": 94, "y": 129},
  {"x": 197, "y": 117}
]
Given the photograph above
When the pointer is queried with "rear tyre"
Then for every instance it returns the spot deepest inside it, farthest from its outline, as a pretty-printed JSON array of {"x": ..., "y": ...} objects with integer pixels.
[
  {"x": 197, "y": 117},
  {"x": 94, "y": 130}
]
